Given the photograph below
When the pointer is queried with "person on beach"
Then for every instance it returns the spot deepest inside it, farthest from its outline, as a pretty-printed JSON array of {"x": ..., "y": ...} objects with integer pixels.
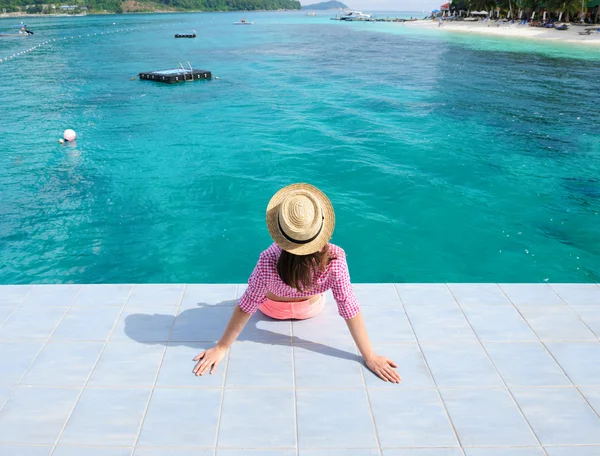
[{"x": 291, "y": 276}]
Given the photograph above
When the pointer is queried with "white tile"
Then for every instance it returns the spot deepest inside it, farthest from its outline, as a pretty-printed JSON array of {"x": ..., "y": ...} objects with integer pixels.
[
  {"x": 411, "y": 367},
  {"x": 377, "y": 294},
  {"x": 202, "y": 324},
  {"x": 152, "y": 295},
  {"x": 243, "y": 417},
  {"x": 592, "y": 395},
  {"x": 487, "y": 417},
  {"x": 460, "y": 364},
  {"x": 13, "y": 295},
  {"x": 104, "y": 295},
  {"x": 127, "y": 364},
  {"x": 530, "y": 451},
  {"x": 320, "y": 366},
  {"x": 87, "y": 324},
  {"x": 182, "y": 417},
  {"x": 32, "y": 322},
  {"x": 334, "y": 419},
  {"x": 387, "y": 325},
  {"x": 52, "y": 295},
  {"x": 556, "y": 323},
  {"x": 578, "y": 294},
  {"x": 15, "y": 359},
  {"x": 178, "y": 364},
  {"x": 434, "y": 294},
  {"x": 423, "y": 452},
  {"x": 200, "y": 295},
  {"x": 573, "y": 450},
  {"x": 91, "y": 451},
  {"x": 411, "y": 418},
  {"x": 107, "y": 416},
  {"x": 498, "y": 323},
  {"x": 478, "y": 294},
  {"x": 36, "y": 415},
  {"x": 63, "y": 364},
  {"x": 140, "y": 451},
  {"x": 253, "y": 364},
  {"x": 531, "y": 294},
  {"x": 590, "y": 315},
  {"x": 559, "y": 416},
  {"x": 526, "y": 364},
  {"x": 25, "y": 450},
  {"x": 144, "y": 325},
  {"x": 580, "y": 360},
  {"x": 437, "y": 324}
]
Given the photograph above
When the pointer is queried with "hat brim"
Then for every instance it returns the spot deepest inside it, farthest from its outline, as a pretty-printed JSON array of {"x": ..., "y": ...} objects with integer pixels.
[{"x": 273, "y": 221}]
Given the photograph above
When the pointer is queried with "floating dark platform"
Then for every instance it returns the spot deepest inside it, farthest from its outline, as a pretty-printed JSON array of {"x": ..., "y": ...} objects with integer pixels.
[
  {"x": 176, "y": 75},
  {"x": 185, "y": 35}
]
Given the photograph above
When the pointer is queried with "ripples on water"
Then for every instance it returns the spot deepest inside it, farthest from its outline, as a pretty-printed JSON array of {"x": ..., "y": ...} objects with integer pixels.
[{"x": 448, "y": 158}]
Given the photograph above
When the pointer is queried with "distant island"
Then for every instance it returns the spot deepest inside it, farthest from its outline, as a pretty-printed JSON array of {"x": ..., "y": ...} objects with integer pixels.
[
  {"x": 332, "y": 5},
  {"x": 143, "y": 6}
]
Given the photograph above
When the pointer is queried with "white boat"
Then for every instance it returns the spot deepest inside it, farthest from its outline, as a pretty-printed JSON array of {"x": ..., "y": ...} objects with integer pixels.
[
  {"x": 354, "y": 16},
  {"x": 243, "y": 22},
  {"x": 22, "y": 32},
  {"x": 311, "y": 13}
]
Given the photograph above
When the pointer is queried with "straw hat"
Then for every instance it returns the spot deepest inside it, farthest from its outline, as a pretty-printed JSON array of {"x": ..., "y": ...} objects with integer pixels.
[{"x": 300, "y": 219}]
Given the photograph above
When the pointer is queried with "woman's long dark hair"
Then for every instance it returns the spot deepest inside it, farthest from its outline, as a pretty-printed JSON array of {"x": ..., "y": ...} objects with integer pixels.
[{"x": 300, "y": 271}]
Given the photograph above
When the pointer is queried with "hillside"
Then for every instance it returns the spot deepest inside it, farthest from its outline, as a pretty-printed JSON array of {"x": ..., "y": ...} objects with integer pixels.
[
  {"x": 120, "y": 6},
  {"x": 332, "y": 5}
]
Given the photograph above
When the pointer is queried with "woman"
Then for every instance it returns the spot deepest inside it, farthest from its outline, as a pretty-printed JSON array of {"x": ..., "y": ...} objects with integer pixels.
[{"x": 291, "y": 276}]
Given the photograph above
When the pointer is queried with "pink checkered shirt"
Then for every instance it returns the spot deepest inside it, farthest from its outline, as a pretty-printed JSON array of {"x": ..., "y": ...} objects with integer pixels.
[{"x": 335, "y": 277}]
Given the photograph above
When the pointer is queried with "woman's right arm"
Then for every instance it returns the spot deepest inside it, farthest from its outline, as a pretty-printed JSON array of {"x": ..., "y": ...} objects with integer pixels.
[{"x": 253, "y": 297}]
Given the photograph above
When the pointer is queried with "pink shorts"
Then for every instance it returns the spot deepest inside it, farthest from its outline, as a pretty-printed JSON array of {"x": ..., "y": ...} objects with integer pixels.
[{"x": 300, "y": 310}]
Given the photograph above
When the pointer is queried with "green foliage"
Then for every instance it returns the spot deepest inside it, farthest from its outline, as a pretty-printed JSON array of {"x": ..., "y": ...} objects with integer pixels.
[
  {"x": 115, "y": 6},
  {"x": 325, "y": 6},
  {"x": 566, "y": 6}
]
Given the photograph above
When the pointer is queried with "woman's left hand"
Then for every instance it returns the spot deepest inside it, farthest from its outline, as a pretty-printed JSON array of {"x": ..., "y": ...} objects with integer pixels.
[{"x": 383, "y": 367}]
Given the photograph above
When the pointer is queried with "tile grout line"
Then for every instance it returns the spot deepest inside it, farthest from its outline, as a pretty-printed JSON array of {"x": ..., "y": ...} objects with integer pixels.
[
  {"x": 17, "y": 306},
  {"x": 237, "y": 288},
  {"x": 362, "y": 375},
  {"x": 43, "y": 344},
  {"x": 294, "y": 388},
  {"x": 162, "y": 358},
  {"x": 430, "y": 371},
  {"x": 91, "y": 372},
  {"x": 222, "y": 399},
  {"x": 576, "y": 314},
  {"x": 497, "y": 371},
  {"x": 550, "y": 353},
  {"x": 35, "y": 357}
]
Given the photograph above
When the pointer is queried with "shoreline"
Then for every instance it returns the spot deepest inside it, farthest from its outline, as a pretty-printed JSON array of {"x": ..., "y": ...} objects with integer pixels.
[{"x": 514, "y": 31}]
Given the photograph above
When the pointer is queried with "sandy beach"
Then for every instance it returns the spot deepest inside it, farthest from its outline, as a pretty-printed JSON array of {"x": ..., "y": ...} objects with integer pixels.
[{"x": 515, "y": 31}]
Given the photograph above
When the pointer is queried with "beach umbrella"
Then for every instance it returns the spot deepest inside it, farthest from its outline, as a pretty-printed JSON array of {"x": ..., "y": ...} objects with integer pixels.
[{"x": 435, "y": 11}]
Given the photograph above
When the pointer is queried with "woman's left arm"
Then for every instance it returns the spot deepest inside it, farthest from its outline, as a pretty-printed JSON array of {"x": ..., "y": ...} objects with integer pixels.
[{"x": 381, "y": 365}]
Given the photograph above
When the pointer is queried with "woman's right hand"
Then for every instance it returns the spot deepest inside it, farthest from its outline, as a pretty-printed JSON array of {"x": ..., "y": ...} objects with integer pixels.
[{"x": 209, "y": 359}]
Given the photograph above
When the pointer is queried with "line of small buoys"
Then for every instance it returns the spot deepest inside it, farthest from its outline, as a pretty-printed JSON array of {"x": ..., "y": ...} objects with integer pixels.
[{"x": 33, "y": 48}]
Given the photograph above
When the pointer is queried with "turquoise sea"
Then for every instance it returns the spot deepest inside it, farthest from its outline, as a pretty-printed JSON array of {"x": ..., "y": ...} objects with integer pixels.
[{"x": 447, "y": 157}]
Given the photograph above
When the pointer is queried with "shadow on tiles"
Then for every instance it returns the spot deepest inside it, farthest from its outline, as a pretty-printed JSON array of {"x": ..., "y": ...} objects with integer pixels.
[{"x": 206, "y": 323}]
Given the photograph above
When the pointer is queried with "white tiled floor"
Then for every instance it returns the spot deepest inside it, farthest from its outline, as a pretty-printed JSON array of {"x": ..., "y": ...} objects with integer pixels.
[{"x": 488, "y": 370}]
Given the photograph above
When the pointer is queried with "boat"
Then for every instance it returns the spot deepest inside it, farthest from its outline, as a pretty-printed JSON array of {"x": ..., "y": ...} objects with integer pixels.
[
  {"x": 311, "y": 13},
  {"x": 22, "y": 32},
  {"x": 354, "y": 16},
  {"x": 243, "y": 22}
]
